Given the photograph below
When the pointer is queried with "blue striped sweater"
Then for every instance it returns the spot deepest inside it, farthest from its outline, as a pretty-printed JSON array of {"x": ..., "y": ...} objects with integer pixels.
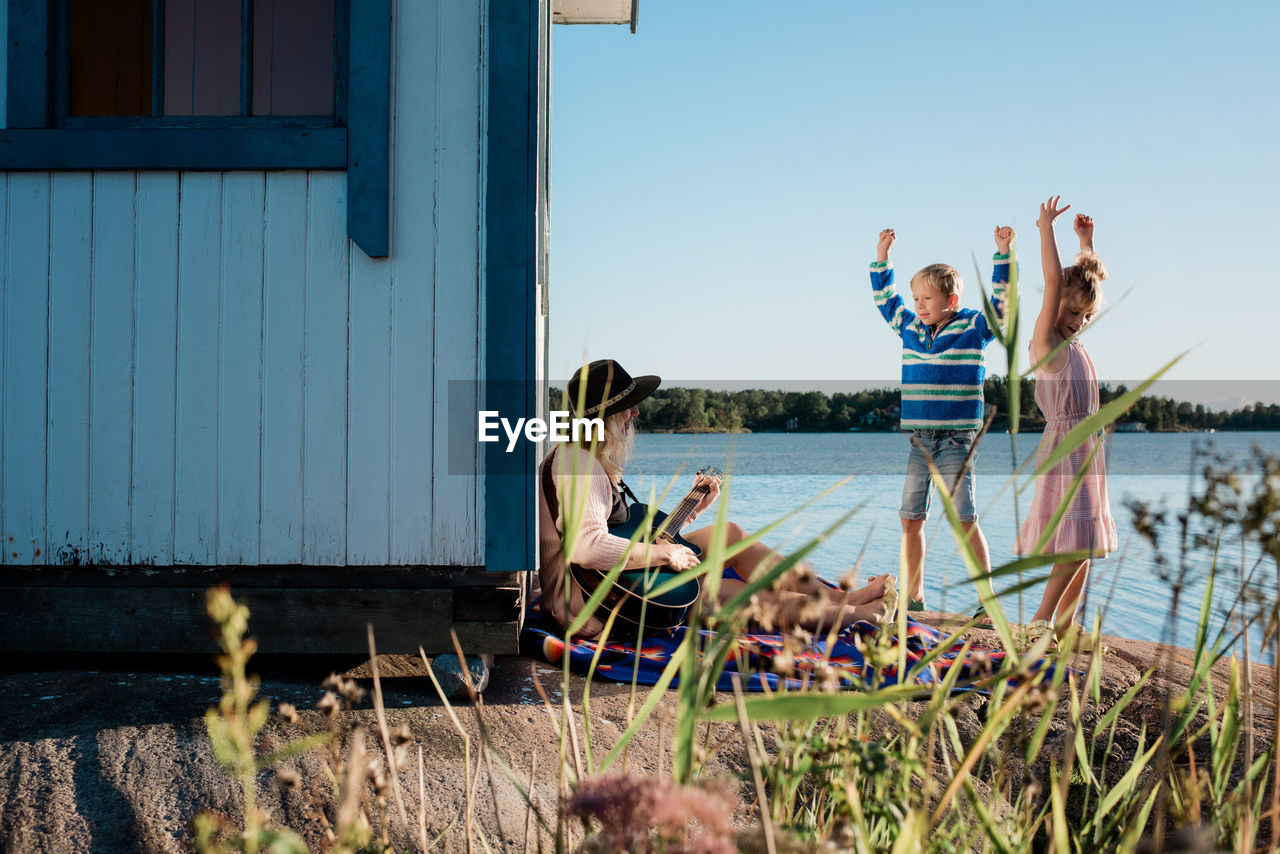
[{"x": 942, "y": 369}]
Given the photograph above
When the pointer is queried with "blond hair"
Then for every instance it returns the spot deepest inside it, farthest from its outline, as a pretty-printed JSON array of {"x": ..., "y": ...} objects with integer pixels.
[
  {"x": 1082, "y": 281},
  {"x": 615, "y": 449},
  {"x": 944, "y": 277}
]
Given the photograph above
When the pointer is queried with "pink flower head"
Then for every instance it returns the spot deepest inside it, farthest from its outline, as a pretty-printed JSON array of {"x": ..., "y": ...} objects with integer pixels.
[{"x": 645, "y": 813}]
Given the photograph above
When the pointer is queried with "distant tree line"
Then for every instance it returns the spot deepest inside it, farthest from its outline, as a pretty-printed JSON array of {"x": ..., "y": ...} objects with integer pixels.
[{"x": 759, "y": 410}]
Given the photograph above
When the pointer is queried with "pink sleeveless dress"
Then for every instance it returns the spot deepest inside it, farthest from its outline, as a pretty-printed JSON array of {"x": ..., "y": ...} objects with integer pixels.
[{"x": 1066, "y": 398}]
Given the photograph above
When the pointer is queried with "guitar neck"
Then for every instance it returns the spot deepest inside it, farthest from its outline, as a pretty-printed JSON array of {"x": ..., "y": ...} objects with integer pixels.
[{"x": 677, "y": 518}]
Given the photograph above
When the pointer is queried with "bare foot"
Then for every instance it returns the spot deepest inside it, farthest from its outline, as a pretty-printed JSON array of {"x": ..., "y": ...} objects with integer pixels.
[
  {"x": 872, "y": 611},
  {"x": 874, "y": 589}
]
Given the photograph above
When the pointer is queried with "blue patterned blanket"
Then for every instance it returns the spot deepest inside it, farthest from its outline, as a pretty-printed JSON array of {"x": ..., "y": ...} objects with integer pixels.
[{"x": 762, "y": 661}]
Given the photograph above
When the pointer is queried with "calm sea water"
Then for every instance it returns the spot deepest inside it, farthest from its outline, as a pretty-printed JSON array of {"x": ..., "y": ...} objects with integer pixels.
[{"x": 773, "y": 474}]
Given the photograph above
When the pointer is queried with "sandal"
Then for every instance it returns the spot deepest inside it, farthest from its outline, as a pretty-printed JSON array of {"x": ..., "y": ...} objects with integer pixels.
[
  {"x": 1082, "y": 641},
  {"x": 1037, "y": 629}
]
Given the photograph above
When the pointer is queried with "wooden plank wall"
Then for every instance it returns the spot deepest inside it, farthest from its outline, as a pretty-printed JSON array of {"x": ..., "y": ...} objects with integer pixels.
[
  {"x": 200, "y": 368},
  {"x": 4, "y": 64},
  {"x": 542, "y": 302}
]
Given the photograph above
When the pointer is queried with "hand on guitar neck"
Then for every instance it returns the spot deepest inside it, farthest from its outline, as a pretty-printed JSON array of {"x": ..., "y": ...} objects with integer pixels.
[
  {"x": 708, "y": 482},
  {"x": 706, "y": 489}
]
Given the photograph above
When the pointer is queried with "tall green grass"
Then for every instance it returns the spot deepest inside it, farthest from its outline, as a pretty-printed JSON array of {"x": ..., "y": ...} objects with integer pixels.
[
  {"x": 887, "y": 767},
  {"x": 1028, "y": 759}
]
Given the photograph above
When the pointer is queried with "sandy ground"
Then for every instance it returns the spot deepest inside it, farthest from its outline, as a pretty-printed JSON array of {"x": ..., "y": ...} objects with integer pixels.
[
  {"x": 111, "y": 755},
  {"x": 104, "y": 755}
]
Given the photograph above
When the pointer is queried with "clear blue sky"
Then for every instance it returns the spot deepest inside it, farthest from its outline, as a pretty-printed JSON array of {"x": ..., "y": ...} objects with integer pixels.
[{"x": 718, "y": 180}]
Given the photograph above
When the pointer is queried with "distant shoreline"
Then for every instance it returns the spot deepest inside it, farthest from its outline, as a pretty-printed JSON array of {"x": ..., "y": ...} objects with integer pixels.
[
  {"x": 699, "y": 410},
  {"x": 1037, "y": 428}
]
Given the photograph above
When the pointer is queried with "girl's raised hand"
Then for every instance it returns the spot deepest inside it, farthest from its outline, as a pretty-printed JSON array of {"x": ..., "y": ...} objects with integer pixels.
[
  {"x": 1084, "y": 227},
  {"x": 1049, "y": 212}
]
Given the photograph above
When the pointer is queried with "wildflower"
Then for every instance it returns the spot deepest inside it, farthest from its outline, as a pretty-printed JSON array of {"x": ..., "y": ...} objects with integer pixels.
[
  {"x": 402, "y": 735},
  {"x": 289, "y": 712},
  {"x": 803, "y": 574},
  {"x": 827, "y": 678},
  {"x": 860, "y": 644},
  {"x": 812, "y": 611},
  {"x": 645, "y": 813},
  {"x": 348, "y": 689},
  {"x": 352, "y": 693},
  {"x": 765, "y": 616},
  {"x": 849, "y": 580},
  {"x": 329, "y": 704},
  {"x": 345, "y": 688},
  {"x": 287, "y": 777},
  {"x": 379, "y": 778},
  {"x": 980, "y": 661},
  {"x": 843, "y": 833},
  {"x": 1040, "y": 697}
]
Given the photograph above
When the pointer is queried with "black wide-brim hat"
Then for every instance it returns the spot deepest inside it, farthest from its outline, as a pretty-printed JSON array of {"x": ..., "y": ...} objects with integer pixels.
[{"x": 609, "y": 389}]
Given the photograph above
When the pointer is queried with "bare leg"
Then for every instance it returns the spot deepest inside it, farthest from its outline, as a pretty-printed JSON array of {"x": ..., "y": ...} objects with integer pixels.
[
  {"x": 979, "y": 545},
  {"x": 755, "y": 557},
  {"x": 1063, "y": 591},
  {"x": 790, "y": 610},
  {"x": 912, "y": 560},
  {"x": 794, "y": 610},
  {"x": 758, "y": 557},
  {"x": 1071, "y": 597}
]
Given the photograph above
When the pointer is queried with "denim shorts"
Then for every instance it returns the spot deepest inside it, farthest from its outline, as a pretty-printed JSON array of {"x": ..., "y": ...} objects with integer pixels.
[{"x": 949, "y": 449}]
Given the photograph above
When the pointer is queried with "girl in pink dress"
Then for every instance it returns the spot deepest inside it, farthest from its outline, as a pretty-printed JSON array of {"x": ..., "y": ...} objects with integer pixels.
[{"x": 1067, "y": 393}]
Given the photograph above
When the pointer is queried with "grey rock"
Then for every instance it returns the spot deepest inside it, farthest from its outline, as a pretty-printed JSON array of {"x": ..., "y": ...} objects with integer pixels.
[{"x": 450, "y": 674}]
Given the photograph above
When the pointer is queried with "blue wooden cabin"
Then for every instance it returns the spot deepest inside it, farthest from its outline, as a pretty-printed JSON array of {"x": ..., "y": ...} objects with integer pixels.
[{"x": 261, "y": 263}]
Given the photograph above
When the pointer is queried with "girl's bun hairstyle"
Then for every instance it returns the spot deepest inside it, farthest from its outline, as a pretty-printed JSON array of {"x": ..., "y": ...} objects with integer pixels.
[{"x": 1083, "y": 280}]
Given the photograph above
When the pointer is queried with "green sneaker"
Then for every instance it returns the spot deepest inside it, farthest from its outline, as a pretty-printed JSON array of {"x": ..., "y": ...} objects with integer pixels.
[{"x": 983, "y": 621}]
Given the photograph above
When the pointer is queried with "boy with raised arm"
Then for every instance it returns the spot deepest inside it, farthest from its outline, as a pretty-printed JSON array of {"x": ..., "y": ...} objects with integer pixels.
[{"x": 942, "y": 377}]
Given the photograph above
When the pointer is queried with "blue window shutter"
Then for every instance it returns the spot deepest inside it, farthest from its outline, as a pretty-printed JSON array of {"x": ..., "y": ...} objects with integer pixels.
[
  {"x": 510, "y": 269},
  {"x": 28, "y": 52},
  {"x": 369, "y": 127}
]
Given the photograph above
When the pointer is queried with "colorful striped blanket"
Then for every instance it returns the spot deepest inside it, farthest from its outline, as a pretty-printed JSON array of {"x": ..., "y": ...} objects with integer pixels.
[{"x": 762, "y": 661}]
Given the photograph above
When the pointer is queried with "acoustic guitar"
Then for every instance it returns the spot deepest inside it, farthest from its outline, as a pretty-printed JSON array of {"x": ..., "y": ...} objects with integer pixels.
[{"x": 666, "y": 610}]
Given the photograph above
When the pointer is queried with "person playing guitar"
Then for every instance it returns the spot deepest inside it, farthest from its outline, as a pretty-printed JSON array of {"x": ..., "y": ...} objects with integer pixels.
[{"x": 584, "y": 483}]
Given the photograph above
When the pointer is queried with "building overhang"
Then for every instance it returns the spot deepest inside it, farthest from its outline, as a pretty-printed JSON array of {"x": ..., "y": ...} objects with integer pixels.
[{"x": 595, "y": 12}]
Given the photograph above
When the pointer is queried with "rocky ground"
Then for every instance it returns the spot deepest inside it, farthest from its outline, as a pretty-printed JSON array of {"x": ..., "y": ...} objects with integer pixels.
[{"x": 111, "y": 755}]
